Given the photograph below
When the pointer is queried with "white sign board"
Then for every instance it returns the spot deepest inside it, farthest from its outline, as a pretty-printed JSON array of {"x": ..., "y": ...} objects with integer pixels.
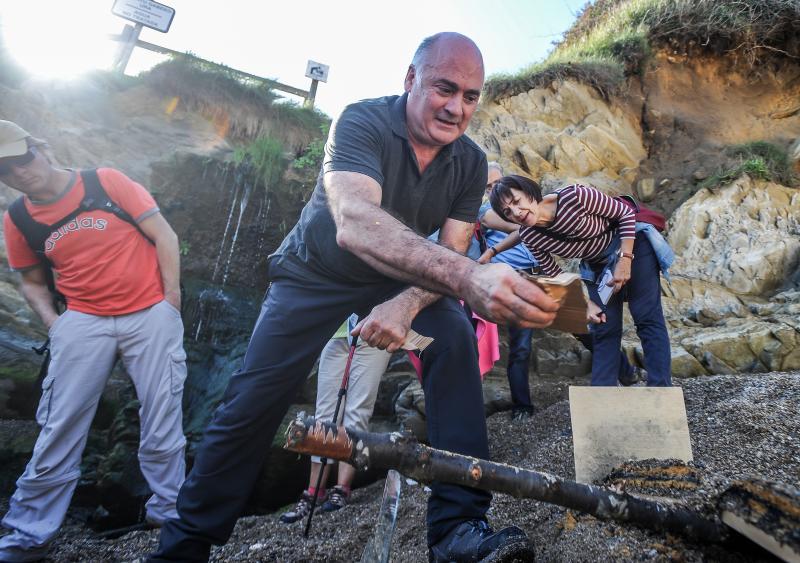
[
  {"x": 149, "y": 13},
  {"x": 317, "y": 71},
  {"x": 611, "y": 425}
]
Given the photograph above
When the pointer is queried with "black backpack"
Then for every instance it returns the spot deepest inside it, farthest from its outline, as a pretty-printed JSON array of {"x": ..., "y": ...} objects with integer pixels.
[{"x": 36, "y": 234}]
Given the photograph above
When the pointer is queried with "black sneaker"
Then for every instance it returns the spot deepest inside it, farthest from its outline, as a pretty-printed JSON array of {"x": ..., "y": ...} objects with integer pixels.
[
  {"x": 337, "y": 499},
  {"x": 475, "y": 541},
  {"x": 637, "y": 375},
  {"x": 301, "y": 509}
]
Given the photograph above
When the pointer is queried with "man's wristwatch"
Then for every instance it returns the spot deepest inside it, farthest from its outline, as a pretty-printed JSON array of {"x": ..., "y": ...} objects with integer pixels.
[
  {"x": 494, "y": 250},
  {"x": 625, "y": 254}
]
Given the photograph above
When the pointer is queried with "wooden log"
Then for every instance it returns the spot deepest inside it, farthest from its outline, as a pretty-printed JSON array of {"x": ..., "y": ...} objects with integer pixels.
[
  {"x": 425, "y": 464},
  {"x": 767, "y": 513}
]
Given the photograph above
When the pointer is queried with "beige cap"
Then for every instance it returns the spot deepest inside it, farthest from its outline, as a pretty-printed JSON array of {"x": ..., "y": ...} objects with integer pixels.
[{"x": 12, "y": 139}]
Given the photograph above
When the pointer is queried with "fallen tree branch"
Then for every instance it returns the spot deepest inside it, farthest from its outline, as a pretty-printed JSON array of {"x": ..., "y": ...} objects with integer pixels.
[{"x": 425, "y": 464}]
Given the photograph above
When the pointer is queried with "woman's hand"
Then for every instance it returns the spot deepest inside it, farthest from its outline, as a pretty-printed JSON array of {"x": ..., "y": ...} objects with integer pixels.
[
  {"x": 486, "y": 257},
  {"x": 594, "y": 314},
  {"x": 622, "y": 273}
]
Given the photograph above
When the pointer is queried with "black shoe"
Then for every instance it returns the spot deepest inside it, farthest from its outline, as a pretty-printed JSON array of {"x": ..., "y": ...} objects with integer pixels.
[
  {"x": 301, "y": 509},
  {"x": 637, "y": 374},
  {"x": 521, "y": 413},
  {"x": 475, "y": 541},
  {"x": 337, "y": 499}
]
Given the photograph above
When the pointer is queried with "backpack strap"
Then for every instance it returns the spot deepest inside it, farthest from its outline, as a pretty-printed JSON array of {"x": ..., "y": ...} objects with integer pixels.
[
  {"x": 630, "y": 201},
  {"x": 96, "y": 197},
  {"x": 35, "y": 233}
]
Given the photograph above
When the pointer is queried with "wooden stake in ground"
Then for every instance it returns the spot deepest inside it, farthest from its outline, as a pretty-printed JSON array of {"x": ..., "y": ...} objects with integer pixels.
[{"x": 409, "y": 457}]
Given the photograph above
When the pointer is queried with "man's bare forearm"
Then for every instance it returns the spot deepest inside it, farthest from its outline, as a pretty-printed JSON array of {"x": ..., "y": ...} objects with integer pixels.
[
  {"x": 40, "y": 300},
  {"x": 393, "y": 249},
  {"x": 168, "y": 256},
  {"x": 414, "y": 299}
]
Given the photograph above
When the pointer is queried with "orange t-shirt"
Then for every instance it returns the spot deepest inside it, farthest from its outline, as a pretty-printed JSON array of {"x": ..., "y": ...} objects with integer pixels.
[{"x": 103, "y": 265}]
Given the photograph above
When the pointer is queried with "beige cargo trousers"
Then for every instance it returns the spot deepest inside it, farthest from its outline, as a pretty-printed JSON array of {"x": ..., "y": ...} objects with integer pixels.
[{"x": 84, "y": 348}]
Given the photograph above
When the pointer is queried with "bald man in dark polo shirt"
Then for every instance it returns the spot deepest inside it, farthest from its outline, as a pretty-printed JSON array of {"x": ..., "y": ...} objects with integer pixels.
[{"x": 395, "y": 170}]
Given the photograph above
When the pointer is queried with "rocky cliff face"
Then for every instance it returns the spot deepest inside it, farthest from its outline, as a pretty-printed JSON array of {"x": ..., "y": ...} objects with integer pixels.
[
  {"x": 566, "y": 133},
  {"x": 744, "y": 236}
]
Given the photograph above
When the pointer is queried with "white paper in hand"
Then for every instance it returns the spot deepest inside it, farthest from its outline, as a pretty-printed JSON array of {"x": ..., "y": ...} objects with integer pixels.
[
  {"x": 415, "y": 341},
  {"x": 604, "y": 290}
]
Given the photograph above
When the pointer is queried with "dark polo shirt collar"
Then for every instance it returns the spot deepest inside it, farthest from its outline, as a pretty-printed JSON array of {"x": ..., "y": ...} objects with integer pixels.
[{"x": 399, "y": 128}]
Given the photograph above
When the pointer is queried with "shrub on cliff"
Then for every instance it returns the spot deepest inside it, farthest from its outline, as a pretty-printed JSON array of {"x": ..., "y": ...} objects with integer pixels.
[
  {"x": 264, "y": 158},
  {"x": 620, "y": 34},
  {"x": 759, "y": 160}
]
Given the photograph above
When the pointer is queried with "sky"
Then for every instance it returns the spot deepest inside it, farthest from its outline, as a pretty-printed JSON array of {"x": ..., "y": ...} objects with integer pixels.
[{"x": 367, "y": 44}]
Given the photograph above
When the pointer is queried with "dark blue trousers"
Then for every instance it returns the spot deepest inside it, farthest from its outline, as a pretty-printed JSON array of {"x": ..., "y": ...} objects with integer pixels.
[
  {"x": 519, "y": 358},
  {"x": 643, "y": 293},
  {"x": 625, "y": 367},
  {"x": 299, "y": 315}
]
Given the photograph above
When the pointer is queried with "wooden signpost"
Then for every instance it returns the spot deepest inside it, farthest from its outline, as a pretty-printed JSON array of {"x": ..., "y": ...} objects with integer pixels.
[{"x": 143, "y": 13}]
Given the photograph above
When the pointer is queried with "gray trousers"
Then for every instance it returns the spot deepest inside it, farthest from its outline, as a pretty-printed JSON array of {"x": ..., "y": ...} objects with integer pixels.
[
  {"x": 369, "y": 364},
  {"x": 84, "y": 348}
]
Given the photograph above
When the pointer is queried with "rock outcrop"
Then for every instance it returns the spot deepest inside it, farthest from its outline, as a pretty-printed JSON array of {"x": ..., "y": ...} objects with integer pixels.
[
  {"x": 744, "y": 236},
  {"x": 566, "y": 133}
]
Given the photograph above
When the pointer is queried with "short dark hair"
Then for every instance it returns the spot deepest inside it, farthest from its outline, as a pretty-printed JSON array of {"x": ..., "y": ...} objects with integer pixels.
[
  {"x": 501, "y": 191},
  {"x": 422, "y": 51}
]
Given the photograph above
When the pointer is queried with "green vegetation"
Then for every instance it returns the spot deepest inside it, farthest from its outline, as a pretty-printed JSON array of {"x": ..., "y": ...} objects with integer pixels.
[
  {"x": 759, "y": 160},
  {"x": 311, "y": 159},
  {"x": 240, "y": 108},
  {"x": 265, "y": 157},
  {"x": 603, "y": 74},
  {"x": 612, "y": 38},
  {"x": 184, "y": 248}
]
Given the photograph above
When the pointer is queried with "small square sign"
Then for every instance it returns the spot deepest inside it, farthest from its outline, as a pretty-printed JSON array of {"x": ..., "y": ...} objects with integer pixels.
[{"x": 317, "y": 71}]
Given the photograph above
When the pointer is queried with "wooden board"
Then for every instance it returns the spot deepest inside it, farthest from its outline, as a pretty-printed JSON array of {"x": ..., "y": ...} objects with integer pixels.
[
  {"x": 613, "y": 424},
  {"x": 567, "y": 288}
]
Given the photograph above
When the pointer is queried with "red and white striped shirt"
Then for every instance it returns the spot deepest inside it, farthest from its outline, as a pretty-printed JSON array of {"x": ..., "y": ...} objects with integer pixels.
[{"x": 584, "y": 225}]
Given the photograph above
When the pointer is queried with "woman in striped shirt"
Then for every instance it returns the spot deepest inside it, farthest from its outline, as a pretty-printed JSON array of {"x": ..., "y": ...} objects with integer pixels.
[{"x": 581, "y": 222}]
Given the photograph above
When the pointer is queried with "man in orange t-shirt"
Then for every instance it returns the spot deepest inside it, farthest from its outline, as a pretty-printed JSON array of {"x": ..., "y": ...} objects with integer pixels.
[{"x": 122, "y": 289}]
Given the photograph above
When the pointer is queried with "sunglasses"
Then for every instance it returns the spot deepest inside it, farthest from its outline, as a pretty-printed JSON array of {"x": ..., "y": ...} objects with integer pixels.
[{"x": 7, "y": 164}]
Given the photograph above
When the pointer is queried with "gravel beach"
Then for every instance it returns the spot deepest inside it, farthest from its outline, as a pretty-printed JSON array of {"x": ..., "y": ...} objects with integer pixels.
[{"x": 743, "y": 425}]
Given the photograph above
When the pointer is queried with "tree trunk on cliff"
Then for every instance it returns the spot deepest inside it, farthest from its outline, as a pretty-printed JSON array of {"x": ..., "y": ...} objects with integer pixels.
[{"x": 365, "y": 449}]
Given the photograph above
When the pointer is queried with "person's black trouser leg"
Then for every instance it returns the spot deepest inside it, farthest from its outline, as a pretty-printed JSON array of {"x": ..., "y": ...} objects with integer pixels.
[
  {"x": 454, "y": 410},
  {"x": 297, "y": 318},
  {"x": 519, "y": 358},
  {"x": 643, "y": 291},
  {"x": 625, "y": 367},
  {"x": 644, "y": 302}
]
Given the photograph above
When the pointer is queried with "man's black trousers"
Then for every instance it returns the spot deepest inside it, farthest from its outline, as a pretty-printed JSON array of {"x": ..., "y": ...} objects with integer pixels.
[{"x": 299, "y": 315}]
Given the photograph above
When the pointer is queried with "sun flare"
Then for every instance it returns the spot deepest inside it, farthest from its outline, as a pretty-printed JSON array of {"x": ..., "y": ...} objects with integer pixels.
[{"x": 59, "y": 40}]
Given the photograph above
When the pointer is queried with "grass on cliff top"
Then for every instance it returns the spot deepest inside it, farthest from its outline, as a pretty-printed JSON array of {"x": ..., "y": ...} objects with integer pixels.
[
  {"x": 611, "y": 38},
  {"x": 264, "y": 157},
  {"x": 241, "y": 109},
  {"x": 759, "y": 160}
]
